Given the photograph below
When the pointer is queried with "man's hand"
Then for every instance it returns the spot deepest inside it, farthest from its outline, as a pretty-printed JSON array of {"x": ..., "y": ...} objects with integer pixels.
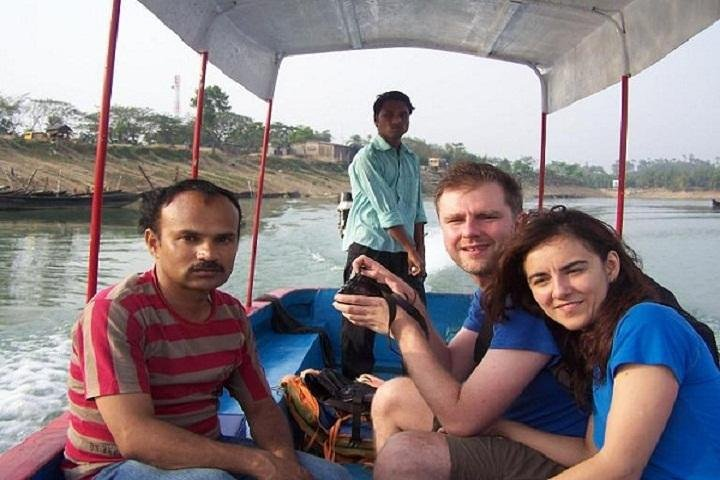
[
  {"x": 416, "y": 264},
  {"x": 371, "y": 268},
  {"x": 415, "y": 249},
  {"x": 277, "y": 468},
  {"x": 373, "y": 313},
  {"x": 363, "y": 311}
]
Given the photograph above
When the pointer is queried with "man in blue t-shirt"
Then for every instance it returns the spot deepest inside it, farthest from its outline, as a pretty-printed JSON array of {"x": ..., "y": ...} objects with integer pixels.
[{"x": 478, "y": 207}]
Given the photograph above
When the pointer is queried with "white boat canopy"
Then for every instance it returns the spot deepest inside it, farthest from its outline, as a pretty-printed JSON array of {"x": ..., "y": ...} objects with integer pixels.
[{"x": 577, "y": 47}]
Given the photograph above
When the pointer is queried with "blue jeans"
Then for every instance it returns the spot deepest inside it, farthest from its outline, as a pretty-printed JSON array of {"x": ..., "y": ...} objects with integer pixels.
[{"x": 319, "y": 468}]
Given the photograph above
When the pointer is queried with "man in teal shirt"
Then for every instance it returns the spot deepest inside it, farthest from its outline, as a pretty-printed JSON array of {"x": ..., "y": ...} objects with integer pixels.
[{"x": 387, "y": 218}]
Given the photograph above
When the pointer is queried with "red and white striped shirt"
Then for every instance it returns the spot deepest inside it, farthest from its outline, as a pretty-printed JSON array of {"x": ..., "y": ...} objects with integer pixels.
[{"x": 129, "y": 340}]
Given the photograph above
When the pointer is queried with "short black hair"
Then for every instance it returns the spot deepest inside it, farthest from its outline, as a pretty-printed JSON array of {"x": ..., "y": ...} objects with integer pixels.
[
  {"x": 153, "y": 201},
  {"x": 391, "y": 95}
]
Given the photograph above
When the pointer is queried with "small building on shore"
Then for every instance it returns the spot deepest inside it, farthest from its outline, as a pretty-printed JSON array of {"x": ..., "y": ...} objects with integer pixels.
[
  {"x": 437, "y": 164},
  {"x": 30, "y": 135},
  {"x": 61, "y": 132},
  {"x": 323, "y": 151}
]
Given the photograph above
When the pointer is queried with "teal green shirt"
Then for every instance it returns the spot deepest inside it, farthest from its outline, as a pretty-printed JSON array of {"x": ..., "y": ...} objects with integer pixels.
[{"x": 386, "y": 193}]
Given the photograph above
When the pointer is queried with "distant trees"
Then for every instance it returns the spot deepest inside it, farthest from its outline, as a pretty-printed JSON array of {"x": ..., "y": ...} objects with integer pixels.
[
  {"x": 10, "y": 109},
  {"x": 44, "y": 113},
  {"x": 218, "y": 119},
  {"x": 222, "y": 128},
  {"x": 167, "y": 130},
  {"x": 691, "y": 173}
]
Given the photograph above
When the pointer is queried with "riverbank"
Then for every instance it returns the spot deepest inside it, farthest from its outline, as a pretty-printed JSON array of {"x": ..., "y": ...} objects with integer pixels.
[{"x": 69, "y": 166}]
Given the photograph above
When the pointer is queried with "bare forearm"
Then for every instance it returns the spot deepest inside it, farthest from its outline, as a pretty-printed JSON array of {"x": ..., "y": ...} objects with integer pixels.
[
  {"x": 439, "y": 348},
  {"x": 419, "y": 237},
  {"x": 169, "y": 447},
  {"x": 562, "y": 449},
  {"x": 437, "y": 344},
  {"x": 399, "y": 235},
  {"x": 598, "y": 466},
  {"x": 271, "y": 432},
  {"x": 435, "y": 383}
]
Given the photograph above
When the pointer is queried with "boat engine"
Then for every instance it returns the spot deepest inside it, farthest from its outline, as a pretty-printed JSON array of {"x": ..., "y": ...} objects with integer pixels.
[{"x": 344, "y": 203}]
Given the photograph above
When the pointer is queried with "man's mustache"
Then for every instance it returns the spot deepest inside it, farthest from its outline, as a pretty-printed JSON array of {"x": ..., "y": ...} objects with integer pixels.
[{"x": 207, "y": 267}]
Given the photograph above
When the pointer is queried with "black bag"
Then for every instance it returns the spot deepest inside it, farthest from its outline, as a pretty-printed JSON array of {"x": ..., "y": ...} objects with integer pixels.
[
  {"x": 333, "y": 414},
  {"x": 667, "y": 298}
]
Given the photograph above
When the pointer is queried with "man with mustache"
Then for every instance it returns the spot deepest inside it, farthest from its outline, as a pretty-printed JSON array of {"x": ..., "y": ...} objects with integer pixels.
[
  {"x": 448, "y": 386},
  {"x": 387, "y": 218},
  {"x": 152, "y": 353}
]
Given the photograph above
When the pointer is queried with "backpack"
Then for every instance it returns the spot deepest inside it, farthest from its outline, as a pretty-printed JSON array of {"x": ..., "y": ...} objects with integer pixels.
[
  {"x": 668, "y": 299},
  {"x": 332, "y": 414}
]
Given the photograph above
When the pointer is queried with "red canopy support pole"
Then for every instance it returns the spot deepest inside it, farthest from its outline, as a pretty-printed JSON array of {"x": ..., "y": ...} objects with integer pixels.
[
  {"x": 200, "y": 100},
  {"x": 101, "y": 154},
  {"x": 258, "y": 205},
  {"x": 623, "y": 155},
  {"x": 543, "y": 130},
  {"x": 543, "y": 141}
]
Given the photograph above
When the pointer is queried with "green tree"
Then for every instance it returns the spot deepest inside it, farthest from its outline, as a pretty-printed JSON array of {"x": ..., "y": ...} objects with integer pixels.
[
  {"x": 217, "y": 123},
  {"x": 358, "y": 140},
  {"x": 281, "y": 135},
  {"x": 246, "y": 134},
  {"x": 522, "y": 169},
  {"x": 87, "y": 127},
  {"x": 167, "y": 130},
  {"x": 10, "y": 111},
  {"x": 45, "y": 113},
  {"x": 128, "y": 124}
]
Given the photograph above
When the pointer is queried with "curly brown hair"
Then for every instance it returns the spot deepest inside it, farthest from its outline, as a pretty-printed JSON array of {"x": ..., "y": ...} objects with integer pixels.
[{"x": 585, "y": 352}]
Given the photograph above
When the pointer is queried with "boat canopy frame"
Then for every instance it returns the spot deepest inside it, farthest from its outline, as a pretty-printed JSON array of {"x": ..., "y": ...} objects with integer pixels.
[{"x": 575, "y": 47}]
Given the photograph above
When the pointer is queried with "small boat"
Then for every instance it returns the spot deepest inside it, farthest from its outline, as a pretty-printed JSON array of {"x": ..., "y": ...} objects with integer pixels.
[
  {"x": 575, "y": 48},
  {"x": 715, "y": 204},
  {"x": 39, "y": 456},
  {"x": 16, "y": 200}
]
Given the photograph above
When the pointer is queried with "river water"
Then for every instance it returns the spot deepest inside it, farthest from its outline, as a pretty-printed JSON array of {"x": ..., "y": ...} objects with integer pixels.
[{"x": 43, "y": 268}]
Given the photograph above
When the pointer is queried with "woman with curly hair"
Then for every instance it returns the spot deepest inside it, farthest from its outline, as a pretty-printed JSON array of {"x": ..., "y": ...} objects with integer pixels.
[{"x": 648, "y": 377}]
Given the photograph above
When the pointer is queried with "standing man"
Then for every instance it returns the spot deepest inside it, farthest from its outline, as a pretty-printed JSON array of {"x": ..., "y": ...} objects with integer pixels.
[
  {"x": 478, "y": 208},
  {"x": 151, "y": 355},
  {"x": 387, "y": 218}
]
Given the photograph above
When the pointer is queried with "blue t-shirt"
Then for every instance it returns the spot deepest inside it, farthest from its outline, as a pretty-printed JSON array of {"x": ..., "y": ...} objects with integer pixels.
[
  {"x": 653, "y": 334},
  {"x": 544, "y": 404}
]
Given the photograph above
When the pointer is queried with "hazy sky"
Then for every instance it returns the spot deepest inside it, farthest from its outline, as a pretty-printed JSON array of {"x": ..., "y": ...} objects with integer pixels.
[{"x": 56, "y": 49}]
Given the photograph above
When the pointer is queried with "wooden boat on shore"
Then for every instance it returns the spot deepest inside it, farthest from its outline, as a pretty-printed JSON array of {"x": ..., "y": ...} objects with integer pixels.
[
  {"x": 576, "y": 48},
  {"x": 15, "y": 200}
]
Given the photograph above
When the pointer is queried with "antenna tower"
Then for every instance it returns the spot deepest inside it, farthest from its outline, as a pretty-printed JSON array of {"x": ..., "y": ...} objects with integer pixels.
[{"x": 176, "y": 87}]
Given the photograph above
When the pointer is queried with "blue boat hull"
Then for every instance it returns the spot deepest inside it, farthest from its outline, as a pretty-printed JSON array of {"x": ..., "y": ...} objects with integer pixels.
[{"x": 39, "y": 456}]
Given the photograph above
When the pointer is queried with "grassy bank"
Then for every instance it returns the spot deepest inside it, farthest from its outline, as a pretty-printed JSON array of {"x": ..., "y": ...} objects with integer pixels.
[{"x": 69, "y": 166}]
